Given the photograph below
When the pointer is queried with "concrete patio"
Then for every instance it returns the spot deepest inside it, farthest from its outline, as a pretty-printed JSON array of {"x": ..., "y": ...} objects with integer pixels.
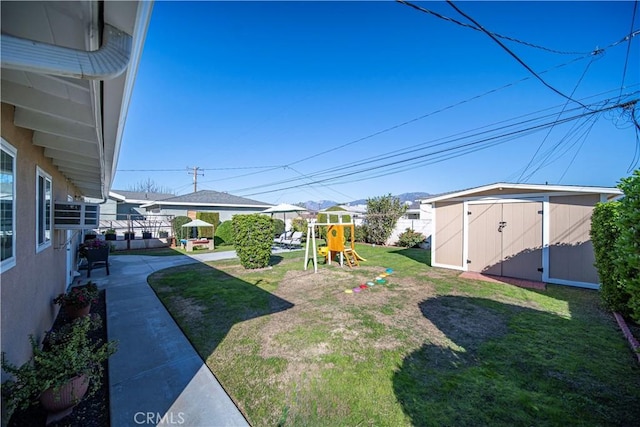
[{"x": 157, "y": 377}]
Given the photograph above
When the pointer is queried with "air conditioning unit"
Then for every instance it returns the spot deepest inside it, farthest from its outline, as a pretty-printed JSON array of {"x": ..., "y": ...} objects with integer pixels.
[{"x": 76, "y": 215}]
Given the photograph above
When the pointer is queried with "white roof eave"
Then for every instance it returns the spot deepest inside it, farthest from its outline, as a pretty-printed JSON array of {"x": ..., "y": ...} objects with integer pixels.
[{"x": 610, "y": 191}]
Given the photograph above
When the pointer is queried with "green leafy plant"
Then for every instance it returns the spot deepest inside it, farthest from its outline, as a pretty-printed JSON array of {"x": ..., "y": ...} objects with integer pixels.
[
  {"x": 410, "y": 238},
  {"x": 299, "y": 224},
  {"x": 109, "y": 231},
  {"x": 382, "y": 214},
  {"x": 178, "y": 230},
  {"x": 211, "y": 218},
  {"x": 78, "y": 296},
  {"x": 224, "y": 233},
  {"x": 360, "y": 233},
  {"x": 65, "y": 355},
  {"x": 604, "y": 233},
  {"x": 627, "y": 261},
  {"x": 278, "y": 226},
  {"x": 253, "y": 236}
]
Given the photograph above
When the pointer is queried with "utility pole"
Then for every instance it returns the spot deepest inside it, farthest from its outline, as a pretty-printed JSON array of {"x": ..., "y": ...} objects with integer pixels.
[{"x": 195, "y": 174}]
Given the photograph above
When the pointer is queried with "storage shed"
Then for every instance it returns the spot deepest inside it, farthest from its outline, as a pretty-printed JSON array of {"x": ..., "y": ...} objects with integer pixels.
[{"x": 525, "y": 231}]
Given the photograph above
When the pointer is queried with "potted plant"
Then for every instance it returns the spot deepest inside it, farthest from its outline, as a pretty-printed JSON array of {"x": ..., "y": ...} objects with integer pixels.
[
  {"x": 77, "y": 301},
  {"x": 60, "y": 373},
  {"x": 163, "y": 234},
  {"x": 129, "y": 235},
  {"x": 110, "y": 234}
]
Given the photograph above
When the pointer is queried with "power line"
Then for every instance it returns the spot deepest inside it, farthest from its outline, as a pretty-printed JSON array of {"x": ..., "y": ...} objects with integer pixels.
[
  {"x": 584, "y": 73},
  {"x": 462, "y": 24},
  {"x": 494, "y": 38},
  {"x": 370, "y": 161},
  {"x": 441, "y": 151},
  {"x": 626, "y": 60}
]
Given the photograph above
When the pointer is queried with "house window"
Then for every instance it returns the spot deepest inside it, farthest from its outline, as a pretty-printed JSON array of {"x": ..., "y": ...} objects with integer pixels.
[
  {"x": 8, "y": 156},
  {"x": 43, "y": 209}
]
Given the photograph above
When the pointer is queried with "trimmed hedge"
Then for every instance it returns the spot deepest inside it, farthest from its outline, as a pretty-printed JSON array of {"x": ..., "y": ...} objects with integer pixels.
[
  {"x": 615, "y": 234},
  {"x": 278, "y": 226},
  {"x": 604, "y": 234},
  {"x": 211, "y": 218},
  {"x": 253, "y": 237},
  {"x": 178, "y": 230},
  {"x": 628, "y": 243},
  {"x": 224, "y": 234}
]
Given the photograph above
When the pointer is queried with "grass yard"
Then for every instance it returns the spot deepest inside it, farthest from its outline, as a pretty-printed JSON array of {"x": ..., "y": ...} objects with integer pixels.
[{"x": 427, "y": 348}]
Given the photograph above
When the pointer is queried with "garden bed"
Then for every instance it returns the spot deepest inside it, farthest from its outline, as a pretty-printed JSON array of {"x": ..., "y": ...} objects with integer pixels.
[{"x": 91, "y": 411}]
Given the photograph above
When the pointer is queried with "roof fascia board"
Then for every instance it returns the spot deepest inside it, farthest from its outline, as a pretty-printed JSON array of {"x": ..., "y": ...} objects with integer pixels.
[
  {"x": 226, "y": 205},
  {"x": 143, "y": 18},
  {"x": 546, "y": 190}
]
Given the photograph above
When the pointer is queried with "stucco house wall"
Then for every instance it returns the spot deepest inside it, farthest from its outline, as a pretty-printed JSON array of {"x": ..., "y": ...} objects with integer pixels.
[{"x": 26, "y": 293}]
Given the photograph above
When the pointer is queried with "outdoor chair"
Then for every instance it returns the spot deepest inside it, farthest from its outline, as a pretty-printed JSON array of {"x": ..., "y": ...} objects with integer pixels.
[
  {"x": 295, "y": 240},
  {"x": 283, "y": 237},
  {"x": 96, "y": 257}
]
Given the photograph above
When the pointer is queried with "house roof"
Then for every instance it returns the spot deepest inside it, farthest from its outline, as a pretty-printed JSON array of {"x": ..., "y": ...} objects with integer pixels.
[
  {"x": 208, "y": 198},
  {"x": 512, "y": 188},
  {"x": 138, "y": 196},
  {"x": 68, "y": 69}
]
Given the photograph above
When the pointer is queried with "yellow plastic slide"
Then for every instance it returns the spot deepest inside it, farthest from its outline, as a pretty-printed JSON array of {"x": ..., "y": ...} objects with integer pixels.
[{"x": 358, "y": 257}]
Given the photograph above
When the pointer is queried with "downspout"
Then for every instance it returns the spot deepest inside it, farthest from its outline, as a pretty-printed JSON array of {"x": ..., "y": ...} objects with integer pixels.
[{"x": 106, "y": 63}]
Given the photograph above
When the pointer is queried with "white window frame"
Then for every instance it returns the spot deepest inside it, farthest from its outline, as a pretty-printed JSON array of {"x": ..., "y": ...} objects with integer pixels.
[
  {"x": 40, "y": 246},
  {"x": 10, "y": 262}
]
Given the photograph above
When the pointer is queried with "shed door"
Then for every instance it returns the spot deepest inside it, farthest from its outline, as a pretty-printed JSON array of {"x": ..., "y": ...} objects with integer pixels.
[
  {"x": 485, "y": 244},
  {"x": 505, "y": 239}
]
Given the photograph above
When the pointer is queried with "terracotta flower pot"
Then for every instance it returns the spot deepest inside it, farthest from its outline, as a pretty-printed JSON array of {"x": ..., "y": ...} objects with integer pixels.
[
  {"x": 59, "y": 403},
  {"x": 76, "y": 312}
]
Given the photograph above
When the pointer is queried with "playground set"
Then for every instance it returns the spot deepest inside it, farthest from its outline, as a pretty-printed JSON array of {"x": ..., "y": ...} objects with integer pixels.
[{"x": 335, "y": 243}]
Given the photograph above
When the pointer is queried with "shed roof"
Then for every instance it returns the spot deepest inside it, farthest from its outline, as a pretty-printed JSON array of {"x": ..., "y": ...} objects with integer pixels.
[
  {"x": 513, "y": 188},
  {"x": 208, "y": 198}
]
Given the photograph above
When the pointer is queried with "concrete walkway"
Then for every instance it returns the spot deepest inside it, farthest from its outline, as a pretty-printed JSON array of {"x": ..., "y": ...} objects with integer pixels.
[{"x": 157, "y": 377}]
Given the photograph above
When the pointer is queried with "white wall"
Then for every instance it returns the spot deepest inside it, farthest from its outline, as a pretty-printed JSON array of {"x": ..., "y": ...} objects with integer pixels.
[{"x": 420, "y": 225}]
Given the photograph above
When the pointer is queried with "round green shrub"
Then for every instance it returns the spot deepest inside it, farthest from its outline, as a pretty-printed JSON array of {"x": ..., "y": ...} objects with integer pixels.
[
  {"x": 410, "y": 238},
  {"x": 224, "y": 234},
  {"x": 253, "y": 237}
]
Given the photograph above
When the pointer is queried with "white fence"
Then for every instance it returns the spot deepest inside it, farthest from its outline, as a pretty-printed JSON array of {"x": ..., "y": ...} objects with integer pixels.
[{"x": 420, "y": 225}]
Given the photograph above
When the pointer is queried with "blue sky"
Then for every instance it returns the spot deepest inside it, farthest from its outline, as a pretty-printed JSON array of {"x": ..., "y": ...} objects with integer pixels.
[{"x": 295, "y": 101}]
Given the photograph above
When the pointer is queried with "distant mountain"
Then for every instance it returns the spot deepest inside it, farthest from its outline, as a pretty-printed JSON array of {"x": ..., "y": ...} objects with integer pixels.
[
  {"x": 319, "y": 205},
  {"x": 404, "y": 197},
  {"x": 324, "y": 204}
]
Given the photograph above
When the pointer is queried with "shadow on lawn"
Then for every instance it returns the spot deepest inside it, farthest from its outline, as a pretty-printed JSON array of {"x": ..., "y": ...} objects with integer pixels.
[
  {"x": 510, "y": 365},
  {"x": 217, "y": 298},
  {"x": 423, "y": 256}
]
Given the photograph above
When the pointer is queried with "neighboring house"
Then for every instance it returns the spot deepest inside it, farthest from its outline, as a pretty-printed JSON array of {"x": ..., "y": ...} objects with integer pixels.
[
  {"x": 225, "y": 204},
  {"x": 68, "y": 70},
  {"x": 124, "y": 204},
  {"x": 533, "y": 232}
]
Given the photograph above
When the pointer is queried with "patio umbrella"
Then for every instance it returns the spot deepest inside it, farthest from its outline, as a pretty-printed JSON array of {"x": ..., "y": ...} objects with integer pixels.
[
  {"x": 197, "y": 223},
  {"x": 283, "y": 208}
]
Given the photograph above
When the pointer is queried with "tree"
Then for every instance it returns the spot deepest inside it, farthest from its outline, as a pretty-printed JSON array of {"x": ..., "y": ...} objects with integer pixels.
[
  {"x": 382, "y": 214},
  {"x": 149, "y": 186}
]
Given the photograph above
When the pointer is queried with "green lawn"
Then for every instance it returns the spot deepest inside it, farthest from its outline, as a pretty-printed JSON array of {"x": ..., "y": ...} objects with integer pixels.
[{"x": 426, "y": 348}]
